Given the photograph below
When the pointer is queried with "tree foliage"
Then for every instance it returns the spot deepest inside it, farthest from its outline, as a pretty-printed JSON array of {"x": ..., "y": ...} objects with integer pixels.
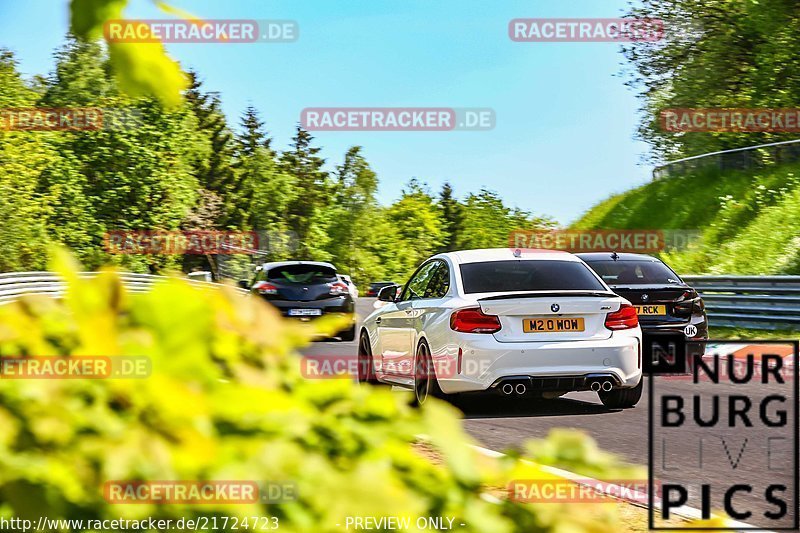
[
  {"x": 717, "y": 54},
  {"x": 225, "y": 399},
  {"x": 184, "y": 166}
]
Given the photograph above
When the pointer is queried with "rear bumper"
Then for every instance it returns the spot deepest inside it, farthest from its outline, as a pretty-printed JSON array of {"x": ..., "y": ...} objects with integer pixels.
[
  {"x": 696, "y": 344},
  {"x": 339, "y": 305},
  {"x": 485, "y": 362},
  {"x": 676, "y": 327}
]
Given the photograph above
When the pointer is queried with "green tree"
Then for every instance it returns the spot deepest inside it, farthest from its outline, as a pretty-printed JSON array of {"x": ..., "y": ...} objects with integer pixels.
[
  {"x": 308, "y": 214},
  {"x": 714, "y": 54},
  {"x": 418, "y": 222},
  {"x": 138, "y": 175},
  {"x": 353, "y": 219},
  {"x": 23, "y": 157},
  {"x": 452, "y": 217},
  {"x": 214, "y": 171},
  {"x": 487, "y": 221},
  {"x": 265, "y": 191}
]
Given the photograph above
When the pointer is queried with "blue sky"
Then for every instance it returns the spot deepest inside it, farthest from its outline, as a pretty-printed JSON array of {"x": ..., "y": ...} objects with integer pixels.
[{"x": 564, "y": 137}]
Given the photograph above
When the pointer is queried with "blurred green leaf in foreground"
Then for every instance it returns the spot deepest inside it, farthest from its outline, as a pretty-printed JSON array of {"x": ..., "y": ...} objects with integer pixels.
[
  {"x": 226, "y": 401},
  {"x": 141, "y": 69}
]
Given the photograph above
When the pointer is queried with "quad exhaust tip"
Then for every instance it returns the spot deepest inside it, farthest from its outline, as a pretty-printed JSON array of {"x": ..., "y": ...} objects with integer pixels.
[
  {"x": 604, "y": 385},
  {"x": 520, "y": 388},
  {"x": 510, "y": 388}
]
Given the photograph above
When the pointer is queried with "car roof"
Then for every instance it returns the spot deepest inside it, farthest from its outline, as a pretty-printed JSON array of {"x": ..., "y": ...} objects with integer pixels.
[
  {"x": 507, "y": 254},
  {"x": 278, "y": 264},
  {"x": 597, "y": 256}
]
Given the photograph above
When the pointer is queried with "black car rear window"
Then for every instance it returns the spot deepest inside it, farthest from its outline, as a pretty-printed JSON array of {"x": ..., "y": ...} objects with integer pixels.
[
  {"x": 508, "y": 276},
  {"x": 302, "y": 274},
  {"x": 635, "y": 272}
]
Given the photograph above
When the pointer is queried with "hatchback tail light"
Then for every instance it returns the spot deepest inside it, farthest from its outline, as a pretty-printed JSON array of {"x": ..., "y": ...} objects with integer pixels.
[
  {"x": 339, "y": 289},
  {"x": 472, "y": 320},
  {"x": 625, "y": 318},
  {"x": 262, "y": 287}
]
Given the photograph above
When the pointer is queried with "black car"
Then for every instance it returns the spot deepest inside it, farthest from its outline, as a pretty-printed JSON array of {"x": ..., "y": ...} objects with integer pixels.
[
  {"x": 667, "y": 306},
  {"x": 305, "y": 290},
  {"x": 375, "y": 288}
]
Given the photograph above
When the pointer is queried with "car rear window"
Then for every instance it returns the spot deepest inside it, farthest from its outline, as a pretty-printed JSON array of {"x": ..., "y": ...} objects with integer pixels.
[
  {"x": 635, "y": 272},
  {"x": 510, "y": 276},
  {"x": 302, "y": 274}
]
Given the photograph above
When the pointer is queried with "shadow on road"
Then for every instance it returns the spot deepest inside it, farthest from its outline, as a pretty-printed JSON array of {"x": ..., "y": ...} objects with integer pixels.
[{"x": 497, "y": 407}]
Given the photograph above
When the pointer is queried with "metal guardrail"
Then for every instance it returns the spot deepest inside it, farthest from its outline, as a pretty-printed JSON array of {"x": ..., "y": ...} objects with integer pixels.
[
  {"x": 15, "y": 284},
  {"x": 756, "y": 302},
  {"x": 757, "y": 156}
]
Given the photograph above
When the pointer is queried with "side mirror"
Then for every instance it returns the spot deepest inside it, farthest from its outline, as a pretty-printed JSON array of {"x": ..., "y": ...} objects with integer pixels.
[
  {"x": 388, "y": 294},
  {"x": 243, "y": 284}
]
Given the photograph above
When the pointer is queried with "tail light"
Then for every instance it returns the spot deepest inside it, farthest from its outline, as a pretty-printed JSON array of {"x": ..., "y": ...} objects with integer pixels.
[
  {"x": 688, "y": 295},
  {"x": 689, "y": 303},
  {"x": 339, "y": 289},
  {"x": 472, "y": 320},
  {"x": 625, "y": 318},
  {"x": 262, "y": 287},
  {"x": 699, "y": 306}
]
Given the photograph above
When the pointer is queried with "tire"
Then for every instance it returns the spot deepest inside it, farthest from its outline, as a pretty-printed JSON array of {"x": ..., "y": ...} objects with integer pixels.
[
  {"x": 425, "y": 383},
  {"x": 348, "y": 335},
  {"x": 622, "y": 398},
  {"x": 366, "y": 365}
]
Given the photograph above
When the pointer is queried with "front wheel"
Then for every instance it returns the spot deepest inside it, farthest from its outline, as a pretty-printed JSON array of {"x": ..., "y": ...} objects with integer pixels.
[
  {"x": 622, "y": 398},
  {"x": 349, "y": 334},
  {"x": 366, "y": 365}
]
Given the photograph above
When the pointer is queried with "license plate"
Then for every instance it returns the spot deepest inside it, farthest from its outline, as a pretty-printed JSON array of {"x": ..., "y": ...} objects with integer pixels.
[
  {"x": 305, "y": 312},
  {"x": 552, "y": 325},
  {"x": 651, "y": 310}
]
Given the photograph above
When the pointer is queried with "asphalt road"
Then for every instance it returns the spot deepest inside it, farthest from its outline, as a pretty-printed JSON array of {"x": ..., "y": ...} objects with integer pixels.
[{"x": 765, "y": 457}]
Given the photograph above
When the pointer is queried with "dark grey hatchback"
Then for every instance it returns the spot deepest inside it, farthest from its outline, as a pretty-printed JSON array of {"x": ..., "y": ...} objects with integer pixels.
[{"x": 305, "y": 290}]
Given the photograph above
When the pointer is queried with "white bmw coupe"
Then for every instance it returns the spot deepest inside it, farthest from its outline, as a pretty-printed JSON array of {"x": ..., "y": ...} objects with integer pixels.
[{"x": 518, "y": 323}]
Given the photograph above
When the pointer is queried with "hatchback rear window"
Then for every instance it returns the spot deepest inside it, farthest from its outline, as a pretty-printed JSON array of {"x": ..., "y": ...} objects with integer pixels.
[
  {"x": 302, "y": 274},
  {"x": 635, "y": 272},
  {"x": 510, "y": 276}
]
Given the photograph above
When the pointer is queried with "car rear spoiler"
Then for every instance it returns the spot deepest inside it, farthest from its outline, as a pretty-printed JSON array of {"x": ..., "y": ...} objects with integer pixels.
[{"x": 549, "y": 294}]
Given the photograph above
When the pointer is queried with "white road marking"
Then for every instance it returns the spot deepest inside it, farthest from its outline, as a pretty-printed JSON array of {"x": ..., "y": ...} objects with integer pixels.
[{"x": 684, "y": 511}]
